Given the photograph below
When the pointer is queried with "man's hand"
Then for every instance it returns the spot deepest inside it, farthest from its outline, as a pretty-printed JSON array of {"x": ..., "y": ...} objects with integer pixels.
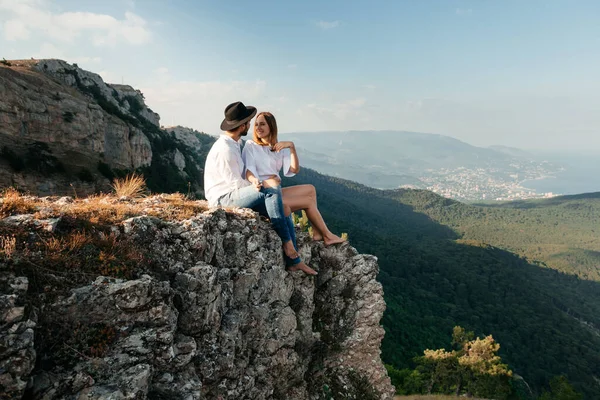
[{"x": 283, "y": 145}]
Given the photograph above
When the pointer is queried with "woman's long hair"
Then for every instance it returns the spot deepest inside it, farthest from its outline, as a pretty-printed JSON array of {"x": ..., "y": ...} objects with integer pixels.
[{"x": 272, "y": 124}]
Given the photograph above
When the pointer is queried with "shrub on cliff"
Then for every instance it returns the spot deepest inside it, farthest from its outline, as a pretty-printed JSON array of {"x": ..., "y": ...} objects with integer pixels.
[
  {"x": 132, "y": 185},
  {"x": 472, "y": 368}
]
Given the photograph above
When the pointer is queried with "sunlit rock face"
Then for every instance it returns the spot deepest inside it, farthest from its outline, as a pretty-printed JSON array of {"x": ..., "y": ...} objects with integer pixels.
[{"x": 68, "y": 121}]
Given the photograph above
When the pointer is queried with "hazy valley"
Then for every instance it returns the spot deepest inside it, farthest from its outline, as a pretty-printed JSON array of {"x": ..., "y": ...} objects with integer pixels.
[{"x": 446, "y": 166}]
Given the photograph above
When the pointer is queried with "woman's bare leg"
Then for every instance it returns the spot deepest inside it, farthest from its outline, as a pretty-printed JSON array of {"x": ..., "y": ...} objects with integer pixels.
[
  {"x": 286, "y": 210},
  {"x": 289, "y": 250},
  {"x": 304, "y": 197}
]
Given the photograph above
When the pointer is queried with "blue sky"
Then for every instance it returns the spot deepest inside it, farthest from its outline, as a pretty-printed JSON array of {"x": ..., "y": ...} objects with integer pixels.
[{"x": 517, "y": 73}]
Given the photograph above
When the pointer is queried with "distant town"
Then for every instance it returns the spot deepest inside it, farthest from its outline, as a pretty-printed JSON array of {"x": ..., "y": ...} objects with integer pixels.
[{"x": 488, "y": 184}]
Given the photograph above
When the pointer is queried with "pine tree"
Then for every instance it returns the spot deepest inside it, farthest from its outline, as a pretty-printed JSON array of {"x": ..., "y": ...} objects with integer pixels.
[{"x": 560, "y": 389}]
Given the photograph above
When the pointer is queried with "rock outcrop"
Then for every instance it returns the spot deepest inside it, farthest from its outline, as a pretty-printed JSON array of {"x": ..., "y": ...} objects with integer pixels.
[
  {"x": 63, "y": 128},
  {"x": 210, "y": 314},
  {"x": 17, "y": 354},
  {"x": 187, "y": 136}
]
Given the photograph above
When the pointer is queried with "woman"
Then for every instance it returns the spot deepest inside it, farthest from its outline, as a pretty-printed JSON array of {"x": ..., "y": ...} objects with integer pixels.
[{"x": 264, "y": 156}]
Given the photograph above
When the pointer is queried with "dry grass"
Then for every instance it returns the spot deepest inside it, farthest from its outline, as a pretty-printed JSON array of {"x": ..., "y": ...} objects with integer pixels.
[
  {"x": 14, "y": 203},
  {"x": 8, "y": 245},
  {"x": 102, "y": 209},
  {"x": 133, "y": 185},
  {"x": 66, "y": 244},
  {"x": 84, "y": 243},
  {"x": 74, "y": 254}
]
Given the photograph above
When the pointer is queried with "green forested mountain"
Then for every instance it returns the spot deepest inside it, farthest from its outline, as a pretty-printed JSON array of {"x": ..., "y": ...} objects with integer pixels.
[
  {"x": 444, "y": 263},
  {"x": 562, "y": 233}
]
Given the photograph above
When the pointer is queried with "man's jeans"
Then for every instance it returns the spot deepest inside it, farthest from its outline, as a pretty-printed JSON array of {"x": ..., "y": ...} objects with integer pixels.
[{"x": 267, "y": 202}]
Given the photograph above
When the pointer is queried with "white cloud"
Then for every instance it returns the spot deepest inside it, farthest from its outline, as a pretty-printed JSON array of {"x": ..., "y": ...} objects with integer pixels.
[
  {"x": 198, "y": 104},
  {"x": 50, "y": 50},
  {"x": 464, "y": 11},
  {"x": 22, "y": 18},
  {"x": 86, "y": 60},
  {"x": 15, "y": 30},
  {"x": 109, "y": 77},
  {"x": 355, "y": 103},
  {"x": 339, "y": 115},
  {"x": 327, "y": 24}
]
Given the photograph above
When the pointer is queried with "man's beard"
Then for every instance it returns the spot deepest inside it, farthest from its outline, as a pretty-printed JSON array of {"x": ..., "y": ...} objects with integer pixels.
[{"x": 245, "y": 132}]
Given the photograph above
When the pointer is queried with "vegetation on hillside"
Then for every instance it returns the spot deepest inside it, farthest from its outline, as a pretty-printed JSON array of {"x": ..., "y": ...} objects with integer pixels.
[
  {"x": 562, "y": 233},
  {"x": 75, "y": 240},
  {"x": 472, "y": 368},
  {"x": 547, "y": 320}
]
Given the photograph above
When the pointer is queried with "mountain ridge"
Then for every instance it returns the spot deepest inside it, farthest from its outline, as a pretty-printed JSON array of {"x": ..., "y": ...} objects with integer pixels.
[{"x": 389, "y": 159}]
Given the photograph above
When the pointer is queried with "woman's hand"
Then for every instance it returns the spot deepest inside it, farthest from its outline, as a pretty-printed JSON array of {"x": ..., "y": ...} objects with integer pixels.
[
  {"x": 255, "y": 182},
  {"x": 283, "y": 145}
]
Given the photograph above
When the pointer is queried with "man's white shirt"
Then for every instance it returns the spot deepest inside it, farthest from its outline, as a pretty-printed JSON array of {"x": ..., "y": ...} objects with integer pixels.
[{"x": 224, "y": 169}]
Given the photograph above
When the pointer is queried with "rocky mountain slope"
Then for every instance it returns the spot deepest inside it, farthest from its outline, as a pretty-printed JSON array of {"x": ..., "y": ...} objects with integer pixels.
[
  {"x": 63, "y": 130},
  {"x": 138, "y": 302}
]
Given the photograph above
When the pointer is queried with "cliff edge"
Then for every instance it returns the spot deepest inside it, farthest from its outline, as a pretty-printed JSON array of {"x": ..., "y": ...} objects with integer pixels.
[{"x": 163, "y": 298}]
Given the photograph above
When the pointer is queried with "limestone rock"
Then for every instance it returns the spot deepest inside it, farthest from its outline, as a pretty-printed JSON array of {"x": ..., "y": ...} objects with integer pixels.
[
  {"x": 179, "y": 160},
  {"x": 50, "y": 113},
  {"x": 17, "y": 354},
  {"x": 186, "y": 136},
  {"x": 213, "y": 316}
]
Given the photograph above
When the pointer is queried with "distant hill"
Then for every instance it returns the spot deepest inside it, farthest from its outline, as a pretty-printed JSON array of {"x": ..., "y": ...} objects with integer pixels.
[
  {"x": 424, "y": 146},
  {"x": 392, "y": 159},
  {"x": 512, "y": 151},
  {"x": 562, "y": 233},
  {"x": 404, "y": 151}
]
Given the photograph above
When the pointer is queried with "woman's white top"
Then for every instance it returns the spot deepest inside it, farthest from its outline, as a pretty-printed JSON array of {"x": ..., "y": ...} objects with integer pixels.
[{"x": 264, "y": 163}]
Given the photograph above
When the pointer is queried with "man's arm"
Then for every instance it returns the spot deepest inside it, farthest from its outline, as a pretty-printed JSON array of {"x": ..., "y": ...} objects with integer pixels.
[{"x": 228, "y": 166}]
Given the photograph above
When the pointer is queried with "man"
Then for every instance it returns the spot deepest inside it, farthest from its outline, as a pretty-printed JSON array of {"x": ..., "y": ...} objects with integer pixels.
[{"x": 224, "y": 184}]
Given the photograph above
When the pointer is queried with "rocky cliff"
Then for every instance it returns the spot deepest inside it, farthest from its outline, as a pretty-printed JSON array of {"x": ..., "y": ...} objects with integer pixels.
[
  {"x": 162, "y": 298},
  {"x": 63, "y": 129}
]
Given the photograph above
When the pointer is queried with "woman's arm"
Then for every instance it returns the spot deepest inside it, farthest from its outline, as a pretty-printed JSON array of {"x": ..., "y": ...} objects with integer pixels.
[
  {"x": 294, "y": 161},
  {"x": 251, "y": 178}
]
